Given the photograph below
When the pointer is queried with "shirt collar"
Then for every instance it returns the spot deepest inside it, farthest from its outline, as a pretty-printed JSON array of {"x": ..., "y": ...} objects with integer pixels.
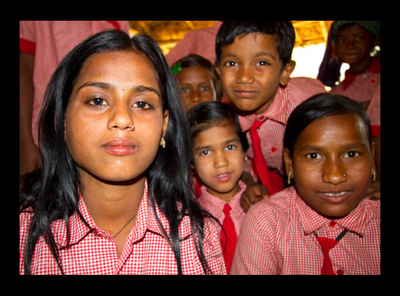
[
  {"x": 145, "y": 221},
  {"x": 375, "y": 67},
  {"x": 356, "y": 221},
  {"x": 215, "y": 205},
  {"x": 277, "y": 111}
]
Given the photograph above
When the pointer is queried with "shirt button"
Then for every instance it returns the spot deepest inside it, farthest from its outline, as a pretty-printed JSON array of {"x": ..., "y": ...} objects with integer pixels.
[
  {"x": 340, "y": 272},
  {"x": 261, "y": 117},
  {"x": 332, "y": 223}
]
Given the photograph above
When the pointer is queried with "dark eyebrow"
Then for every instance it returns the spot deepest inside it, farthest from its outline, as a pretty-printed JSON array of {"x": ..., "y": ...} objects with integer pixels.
[
  {"x": 105, "y": 85},
  {"x": 142, "y": 88},
  {"x": 96, "y": 84}
]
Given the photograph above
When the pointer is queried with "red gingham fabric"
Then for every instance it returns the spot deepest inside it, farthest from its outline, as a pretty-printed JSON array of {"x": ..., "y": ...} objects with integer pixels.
[
  {"x": 215, "y": 206},
  {"x": 361, "y": 87},
  {"x": 277, "y": 238},
  {"x": 374, "y": 113},
  {"x": 272, "y": 130},
  {"x": 146, "y": 251}
]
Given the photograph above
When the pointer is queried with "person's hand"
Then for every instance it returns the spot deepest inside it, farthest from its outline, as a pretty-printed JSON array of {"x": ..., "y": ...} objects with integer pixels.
[{"x": 253, "y": 194}]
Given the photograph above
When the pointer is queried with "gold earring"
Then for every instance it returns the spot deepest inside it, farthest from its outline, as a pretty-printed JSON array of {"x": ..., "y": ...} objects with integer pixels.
[
  {"x": 373, "y": 175},
  {"x": 162, "y": 142},
  {"x": 288, "y": 177}
]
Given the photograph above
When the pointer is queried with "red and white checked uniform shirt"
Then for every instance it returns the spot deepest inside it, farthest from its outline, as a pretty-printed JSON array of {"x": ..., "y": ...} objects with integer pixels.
[
  {"x": 374, "y": 113},
  {"x": 146, "y": 251},
  {"x": 272, "y": 130},
  {"x": 277, "y": 238},
  {"x": 214, "y": 205},
  {"x": 49, "y": 42}
]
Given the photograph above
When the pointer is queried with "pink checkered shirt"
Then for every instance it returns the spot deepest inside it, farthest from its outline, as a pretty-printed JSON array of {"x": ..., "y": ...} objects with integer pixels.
[
  {"x": 214, "y": 205},
  {"x": 146, "y": 251},
  {"x": 277, "y": 238},
  {"x": 272, "y": 130}
]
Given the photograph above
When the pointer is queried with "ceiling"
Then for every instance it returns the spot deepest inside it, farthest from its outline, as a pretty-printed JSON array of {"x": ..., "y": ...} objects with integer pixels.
[{"x": 168, "y": 33}]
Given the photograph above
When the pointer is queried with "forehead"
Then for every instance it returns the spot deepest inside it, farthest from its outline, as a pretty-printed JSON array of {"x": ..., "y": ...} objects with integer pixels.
[
  {"x": 215, "y": 134},
  {"x": 119, "y": 65},
  {"x": 252, "y": 44},
  {"x": 194, "y": 73},
  {"x": 332, "y": 131}
]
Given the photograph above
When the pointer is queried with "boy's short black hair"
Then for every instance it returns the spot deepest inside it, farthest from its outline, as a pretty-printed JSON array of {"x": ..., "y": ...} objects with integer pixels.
[{"x": 282, "y": 30}]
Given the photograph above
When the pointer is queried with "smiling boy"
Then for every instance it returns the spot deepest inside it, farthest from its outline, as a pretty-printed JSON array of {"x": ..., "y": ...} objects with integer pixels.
[{"x": 254, "y": 62}]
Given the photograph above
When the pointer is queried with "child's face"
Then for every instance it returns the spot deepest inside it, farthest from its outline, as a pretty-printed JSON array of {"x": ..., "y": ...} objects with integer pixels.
[
  {"x": 250, "y": 71},
  {"x": 353, "y": 44},
  {"x": 332, "y": 164},
  {"x": 219, "y": 160},
  {"x": 112, "y": 92},
  {"x": 196, "y": 86}
]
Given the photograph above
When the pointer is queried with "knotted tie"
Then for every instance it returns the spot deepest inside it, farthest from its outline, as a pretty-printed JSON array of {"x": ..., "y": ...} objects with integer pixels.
[
  {"x": 271, "y": 180},
  {"x": 326, "y": 245},
  {"x": 228, "y": 238}
]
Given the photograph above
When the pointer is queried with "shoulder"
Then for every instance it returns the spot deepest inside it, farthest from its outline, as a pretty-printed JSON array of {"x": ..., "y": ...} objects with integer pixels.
[
  {"x": 274, "y": 210},
  {"x": 301, "y": 88}
]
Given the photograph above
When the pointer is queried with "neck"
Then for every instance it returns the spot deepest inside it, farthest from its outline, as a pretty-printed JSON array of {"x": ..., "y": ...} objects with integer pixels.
[
  {"x": 360, "y": 67},
  {"x": 111, "y": 203}
]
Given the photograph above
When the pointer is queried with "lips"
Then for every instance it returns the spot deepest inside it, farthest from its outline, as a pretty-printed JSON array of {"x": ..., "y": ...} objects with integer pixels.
[
  {"x": 245, "y": 93},
  {"x": 119, "y": 147},
  {"x": 336, "y": 196},
  {"x": 223, "y": 177}
]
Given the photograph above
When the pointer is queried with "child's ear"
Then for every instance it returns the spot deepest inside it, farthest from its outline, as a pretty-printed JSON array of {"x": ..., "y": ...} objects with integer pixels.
[
  {"x": 288, "y": 161},
  {"x": 286, "y": 72}
]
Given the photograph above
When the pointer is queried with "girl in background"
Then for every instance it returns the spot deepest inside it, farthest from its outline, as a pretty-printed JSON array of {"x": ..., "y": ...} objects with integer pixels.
[{"x": 199, "y": 81}]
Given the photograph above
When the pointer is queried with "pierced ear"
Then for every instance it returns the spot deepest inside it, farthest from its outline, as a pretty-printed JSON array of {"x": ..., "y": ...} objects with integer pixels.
[
  {"x": 286, "y": 72},
  {"x": 288, "y": 161}
]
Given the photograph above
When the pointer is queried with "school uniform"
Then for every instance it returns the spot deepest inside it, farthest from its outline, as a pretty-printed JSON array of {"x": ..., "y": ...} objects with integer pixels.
[
  {"x": 146, "y": 251},
  {"x": 274, "y": 120},
  {"x": 215, "y": 206},
  {"x": 360, "y": 87},
  {"x": 280, "y": 236}
]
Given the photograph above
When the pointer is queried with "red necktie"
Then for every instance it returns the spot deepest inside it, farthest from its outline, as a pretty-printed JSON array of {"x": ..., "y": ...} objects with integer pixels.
[
  {"x": 326, "y": 245},
  {"x": 228, "y": 238},
  {"x": 268, "y": 178}
]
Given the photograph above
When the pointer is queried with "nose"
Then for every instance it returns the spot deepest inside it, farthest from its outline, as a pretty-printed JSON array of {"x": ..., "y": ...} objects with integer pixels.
[
  {"x": 121, "y": 117},
  {"x": 334, "y": 173},
  {"x": 245, "y": 75},
  {"x": 195, "y": 97},
  {"x": 220, "y": 159}
]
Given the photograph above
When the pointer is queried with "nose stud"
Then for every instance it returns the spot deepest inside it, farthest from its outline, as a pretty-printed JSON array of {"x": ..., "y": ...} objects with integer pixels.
[{"x": 132, "y": 127}]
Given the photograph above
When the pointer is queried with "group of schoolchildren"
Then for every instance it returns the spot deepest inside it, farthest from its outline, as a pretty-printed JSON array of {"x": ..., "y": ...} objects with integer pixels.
[{"x": 287, "y": 170}]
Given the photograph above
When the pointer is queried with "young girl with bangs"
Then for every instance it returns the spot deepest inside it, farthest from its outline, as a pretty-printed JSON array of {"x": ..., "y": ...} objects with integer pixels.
[{"x": 113, "y": 195}]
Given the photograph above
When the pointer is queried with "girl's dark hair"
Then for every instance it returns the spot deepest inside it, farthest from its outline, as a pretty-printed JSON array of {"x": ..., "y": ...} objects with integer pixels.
[
  {"x": 319, "y": 106},
  {"x": 53, "y": 192},
  {"x": 209, "y": 114},
  {"x": 283, "y": 32},
  {"x": 193, "y": 60}
]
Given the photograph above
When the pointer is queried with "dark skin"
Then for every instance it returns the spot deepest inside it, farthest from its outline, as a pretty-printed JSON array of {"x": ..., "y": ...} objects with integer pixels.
[
  {"x": 251, "y": 72},
  {"x": 331, "y": 164},
  {"x": 353, "y": 46}
]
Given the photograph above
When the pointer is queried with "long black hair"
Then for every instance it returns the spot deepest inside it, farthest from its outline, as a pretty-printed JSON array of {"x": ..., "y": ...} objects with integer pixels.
[{"x": 52, "y": 192}]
